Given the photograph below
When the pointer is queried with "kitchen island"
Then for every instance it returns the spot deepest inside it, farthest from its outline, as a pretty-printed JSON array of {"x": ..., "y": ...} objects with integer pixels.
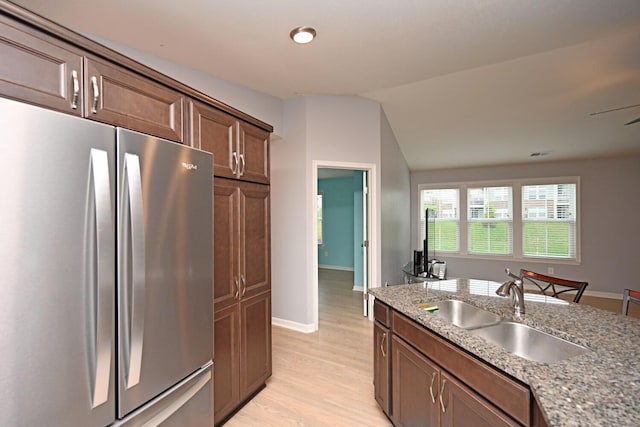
[{"x": 598, "y": 388}]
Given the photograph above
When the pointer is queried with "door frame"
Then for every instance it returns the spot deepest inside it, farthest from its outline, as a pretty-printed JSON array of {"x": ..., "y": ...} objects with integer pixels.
[{"x": 372, "y": 265}]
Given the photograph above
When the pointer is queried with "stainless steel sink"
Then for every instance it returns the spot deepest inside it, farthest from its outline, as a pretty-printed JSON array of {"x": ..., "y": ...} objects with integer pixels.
[
  {"x": 462, "y": 314},
  {"x": 529, "y": 343}
]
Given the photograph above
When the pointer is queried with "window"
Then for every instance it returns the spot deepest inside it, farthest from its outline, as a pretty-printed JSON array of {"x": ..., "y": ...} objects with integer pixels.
[
  {"x": 489, "y": 224},
  {"x": 549, "y": 221},
  {"x": 527, "y": 219},
  {"x": 320, "y": 223},
  {"x": 445, "y": 203}
]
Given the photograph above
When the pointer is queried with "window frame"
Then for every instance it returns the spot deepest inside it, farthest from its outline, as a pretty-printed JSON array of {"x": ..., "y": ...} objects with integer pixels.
[{"x": 517, "y": 220}]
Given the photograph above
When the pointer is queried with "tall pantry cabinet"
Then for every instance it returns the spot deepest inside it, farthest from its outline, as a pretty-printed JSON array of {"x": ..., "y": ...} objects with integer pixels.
[{"x": 242, "y": 254}]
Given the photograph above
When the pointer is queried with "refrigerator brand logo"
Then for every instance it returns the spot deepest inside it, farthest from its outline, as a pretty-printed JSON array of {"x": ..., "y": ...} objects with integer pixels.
[{"x": 189, "y": 166}]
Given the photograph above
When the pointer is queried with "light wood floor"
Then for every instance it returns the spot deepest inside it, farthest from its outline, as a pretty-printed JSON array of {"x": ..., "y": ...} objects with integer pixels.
[{"x": 324, "y": 378}]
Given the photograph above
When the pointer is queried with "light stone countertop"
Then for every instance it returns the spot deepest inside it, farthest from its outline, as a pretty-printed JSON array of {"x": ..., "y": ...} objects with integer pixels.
[{"x": 598, "y": 388}]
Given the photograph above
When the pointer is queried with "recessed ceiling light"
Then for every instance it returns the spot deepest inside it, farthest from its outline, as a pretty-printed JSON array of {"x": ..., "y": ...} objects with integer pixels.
[{"x": 302, "y": 35}]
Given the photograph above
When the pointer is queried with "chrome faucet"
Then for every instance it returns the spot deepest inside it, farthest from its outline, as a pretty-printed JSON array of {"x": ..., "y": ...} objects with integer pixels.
[{"x": 515, "y": 289}]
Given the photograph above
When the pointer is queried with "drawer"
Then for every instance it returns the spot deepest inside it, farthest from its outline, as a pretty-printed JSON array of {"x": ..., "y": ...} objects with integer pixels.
[{"x": 381, "y": 313}]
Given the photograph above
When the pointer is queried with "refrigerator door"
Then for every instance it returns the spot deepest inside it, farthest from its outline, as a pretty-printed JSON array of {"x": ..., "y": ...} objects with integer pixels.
[
  {"x": 165, "y": 265},
  {"x": 188, "y": 404},
  {"x": 57, "y": 258}
]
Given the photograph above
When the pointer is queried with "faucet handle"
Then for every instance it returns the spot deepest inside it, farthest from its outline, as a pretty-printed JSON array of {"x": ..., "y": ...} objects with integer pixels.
[{"x": 510, "y": 274}]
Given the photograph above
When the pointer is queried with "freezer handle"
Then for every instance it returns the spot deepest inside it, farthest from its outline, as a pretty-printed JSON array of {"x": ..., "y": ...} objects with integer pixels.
[
  {"x": 160, "y": 417},
  {"x": 102, "y": 229},
  {"x": 134, "y": 285}
]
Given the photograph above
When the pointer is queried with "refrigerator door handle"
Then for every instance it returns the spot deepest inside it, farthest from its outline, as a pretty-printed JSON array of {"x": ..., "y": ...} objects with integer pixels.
[
  {"x": 134, "y": 285},
  {"x": 103, "y": 295}
]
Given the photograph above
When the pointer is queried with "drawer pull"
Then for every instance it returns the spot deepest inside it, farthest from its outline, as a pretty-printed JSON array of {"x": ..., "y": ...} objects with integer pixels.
[
  {"x": 234, "y": 162},
  {"x": 444, "y": 383},
  {"x": 76, "y": 89},
  {"x": 433, "y": 379},
  {"x": 96, "y": 94}
]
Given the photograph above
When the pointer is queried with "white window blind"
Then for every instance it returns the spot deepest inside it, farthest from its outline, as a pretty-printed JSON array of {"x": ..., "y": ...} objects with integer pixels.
[
  {"x": 445, "y": 203},
  {"x": 549, "y": 215},
  {"x": 490, "y": 220}
]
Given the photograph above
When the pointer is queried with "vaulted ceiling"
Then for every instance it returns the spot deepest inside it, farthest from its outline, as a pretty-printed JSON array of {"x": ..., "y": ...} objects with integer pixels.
[{"x": 463, "y": 83}]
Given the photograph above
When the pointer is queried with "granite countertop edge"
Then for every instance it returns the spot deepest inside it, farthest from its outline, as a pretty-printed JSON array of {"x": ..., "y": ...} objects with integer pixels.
[{"x": 600, "y": 387}]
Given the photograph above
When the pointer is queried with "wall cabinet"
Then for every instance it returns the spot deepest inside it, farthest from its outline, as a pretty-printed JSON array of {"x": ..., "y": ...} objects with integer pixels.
[
  {"x": 241, "y": 149},
  {"x": 121, "y": 98},
  {"x": 39, "y": 69},
  {"x": 433, "y": 382}
]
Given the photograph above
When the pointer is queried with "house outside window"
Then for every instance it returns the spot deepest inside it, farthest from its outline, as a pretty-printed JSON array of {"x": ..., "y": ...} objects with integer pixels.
[
  {"x": 489, "y": 224},
  {"x": 549, "y": 222},
  {"x": 445, "y": 203},
  {"x": 543, "y": 215}
]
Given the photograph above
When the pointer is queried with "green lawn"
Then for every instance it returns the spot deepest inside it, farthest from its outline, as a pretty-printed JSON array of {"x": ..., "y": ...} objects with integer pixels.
[
  {"x": 541, "y": 238},
  {"x": 547, "y": 238},
  {"x": 490, "y": 238}
]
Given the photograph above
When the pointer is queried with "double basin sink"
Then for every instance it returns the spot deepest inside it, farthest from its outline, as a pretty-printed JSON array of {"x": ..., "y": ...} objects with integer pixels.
[{"x": 517, "y": 338}]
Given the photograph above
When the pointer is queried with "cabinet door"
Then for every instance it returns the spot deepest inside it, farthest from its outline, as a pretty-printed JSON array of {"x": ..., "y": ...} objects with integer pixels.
[
  {"x": 122, "y": 98},
  {"x": 415, "y": 387},
  {"x": 255, "y": 343},
  {"x": 226, "y": 361},
  {"x": 214, "y": 131},
  {"x": 381, "y": 362},
  {"x": 254, "y": 153},
  {"x": 39, "y": 69},
  {"x": 255, "y": 239},
  {"x": 226, "y": 244},
  {"x": 462, "y": 407}
]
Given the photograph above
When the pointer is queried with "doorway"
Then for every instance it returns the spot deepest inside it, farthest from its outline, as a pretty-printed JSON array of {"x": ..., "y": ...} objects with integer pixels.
[{"x": 363, "y": 244}]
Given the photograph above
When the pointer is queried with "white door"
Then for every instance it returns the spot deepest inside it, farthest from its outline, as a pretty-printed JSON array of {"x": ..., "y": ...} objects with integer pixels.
[{"x": 365, "y": 243}]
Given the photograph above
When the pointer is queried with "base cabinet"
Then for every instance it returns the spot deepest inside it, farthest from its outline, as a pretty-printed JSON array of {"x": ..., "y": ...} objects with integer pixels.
[
  {"x": 415, "y": 387},
  {"x": 242, "y": 347},
  {"x": 381, "y": 364},
  {"x": 432, "y": 382}
]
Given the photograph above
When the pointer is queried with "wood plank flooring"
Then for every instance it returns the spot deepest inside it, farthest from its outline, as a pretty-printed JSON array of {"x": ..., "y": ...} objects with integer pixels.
[{"x": 324, "y": 378}]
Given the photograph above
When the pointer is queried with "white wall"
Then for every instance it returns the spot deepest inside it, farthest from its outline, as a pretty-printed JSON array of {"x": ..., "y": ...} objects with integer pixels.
[
  {"x": 610, "y": 225},
  {"x": 318, "y": 128},
  {"x": 395, "y": 205}
]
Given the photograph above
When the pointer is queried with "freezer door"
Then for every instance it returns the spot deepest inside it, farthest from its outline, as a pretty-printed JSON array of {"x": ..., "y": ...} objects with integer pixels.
[
  {"x": 188, "y": 404},
  {"x": 57, "y": 268},
  {"x": 165, "y": 265}
]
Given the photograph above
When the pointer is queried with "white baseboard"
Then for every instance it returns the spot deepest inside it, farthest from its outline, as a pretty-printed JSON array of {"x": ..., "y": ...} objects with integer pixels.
[
  {"x": 358, "y": 288},
  {"x": 335, "y": 267},
  {"x": 300, "y": 327}
]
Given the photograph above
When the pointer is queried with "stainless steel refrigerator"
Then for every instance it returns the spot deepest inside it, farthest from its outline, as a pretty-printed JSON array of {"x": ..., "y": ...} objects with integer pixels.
[{"x": 106, "y": 306}]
